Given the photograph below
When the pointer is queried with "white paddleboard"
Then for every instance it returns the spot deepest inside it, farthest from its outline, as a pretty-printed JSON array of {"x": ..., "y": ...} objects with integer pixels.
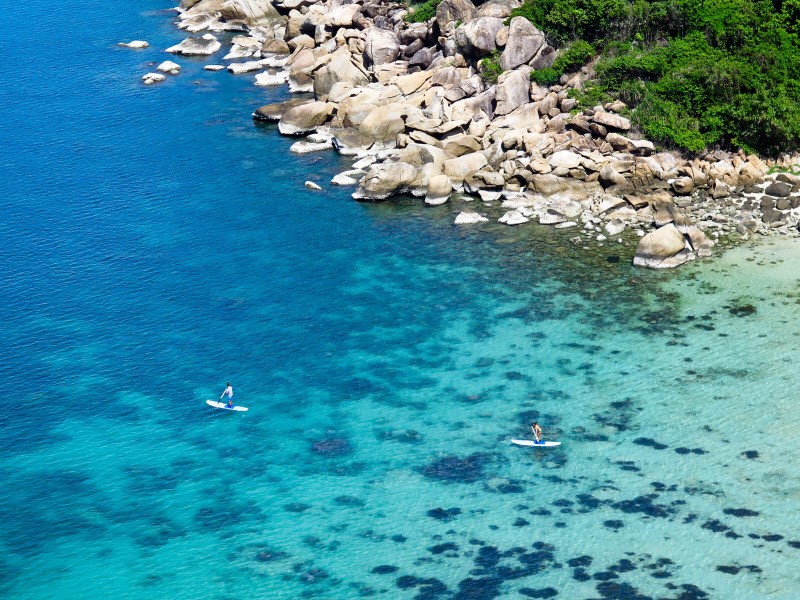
[
  {"x": 224, "y": 406},
  {"x": 535, "y": 444}
]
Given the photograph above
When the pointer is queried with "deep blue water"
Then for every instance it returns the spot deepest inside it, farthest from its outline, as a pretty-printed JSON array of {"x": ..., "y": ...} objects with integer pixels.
[{"x": 157, "y": 243}]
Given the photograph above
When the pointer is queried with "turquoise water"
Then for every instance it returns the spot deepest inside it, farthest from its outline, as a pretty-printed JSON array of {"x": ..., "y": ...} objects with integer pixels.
[{"x": 157, "y": 244}]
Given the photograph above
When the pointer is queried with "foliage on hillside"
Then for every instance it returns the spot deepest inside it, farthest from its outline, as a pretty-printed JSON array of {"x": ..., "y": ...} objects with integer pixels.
[
  {"x": 423, "y": 12},
  {"x": 697, "y": 73}
]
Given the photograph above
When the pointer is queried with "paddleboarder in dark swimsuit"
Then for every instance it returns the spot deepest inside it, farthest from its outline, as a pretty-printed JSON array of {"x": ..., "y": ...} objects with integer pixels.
[{"x": 537, "y": 431}]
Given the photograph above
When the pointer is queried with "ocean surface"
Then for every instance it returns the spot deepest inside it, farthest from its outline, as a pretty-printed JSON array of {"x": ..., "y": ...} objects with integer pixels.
[{"x": 156, "y": 244}]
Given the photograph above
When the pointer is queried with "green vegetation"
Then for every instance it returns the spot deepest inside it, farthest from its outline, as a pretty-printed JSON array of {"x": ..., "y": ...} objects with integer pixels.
[
  {"x": 422, "y": 12},
  {"x": 574, "y": 57},
  {"x": 696, "y": 73},
  {"x": 490, "y": 67}
]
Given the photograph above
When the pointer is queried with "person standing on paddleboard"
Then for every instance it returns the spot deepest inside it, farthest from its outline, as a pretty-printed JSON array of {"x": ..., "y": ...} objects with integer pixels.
[
  {"x": 229, "y": 391},
  {"x": 537, "y": 431}
]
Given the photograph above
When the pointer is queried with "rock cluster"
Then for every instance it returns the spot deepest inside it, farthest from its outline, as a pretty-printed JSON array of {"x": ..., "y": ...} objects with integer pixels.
[{"x": 410, "y": 101}]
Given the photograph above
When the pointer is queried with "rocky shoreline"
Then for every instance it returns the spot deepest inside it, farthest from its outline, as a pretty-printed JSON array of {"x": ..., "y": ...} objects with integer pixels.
[{"x": 414, "y": 104}]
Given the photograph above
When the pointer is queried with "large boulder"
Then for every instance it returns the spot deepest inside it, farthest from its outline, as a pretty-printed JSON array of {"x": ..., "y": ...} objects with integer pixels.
[
  {"x": 513, "y": 90},
  {"x": 384, "y": 122},
  {"x": 304, "y": 118},
  {"x": 439, "y": 189},
  {"x": 779, "y": 189},
  {"x": 564, "y": 159},
  {"x": 477, "y": 37},
  {"x": 196, "y": 46},
  {"x": 663, "y": 248},
  {"x": 342, "y": 16},
  {"x": 381, "y": 46},
  {"x": 461, "y": 167},
  {"x": 274, "y": 111},
  {"x": 500, "y": 9},
  {"x": 385, "y": 179},
  {"x": 341, "y": 69},
  {"x": 449, "y": 11},
  {"x": 607, "y": 119},
  {"x": 250, "y": 12},
  {"x": 524, "y": 41}
]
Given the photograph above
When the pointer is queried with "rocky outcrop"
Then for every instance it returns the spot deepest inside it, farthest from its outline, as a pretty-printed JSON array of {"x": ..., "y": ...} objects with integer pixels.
[{"x": 414, "y": 105}]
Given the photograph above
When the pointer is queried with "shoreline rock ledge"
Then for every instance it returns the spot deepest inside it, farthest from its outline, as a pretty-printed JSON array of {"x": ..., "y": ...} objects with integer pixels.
[{"x": 410, "y": 102}]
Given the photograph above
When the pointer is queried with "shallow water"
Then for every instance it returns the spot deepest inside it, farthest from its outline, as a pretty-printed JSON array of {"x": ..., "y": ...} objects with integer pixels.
[{"x": 158, "y": 244}]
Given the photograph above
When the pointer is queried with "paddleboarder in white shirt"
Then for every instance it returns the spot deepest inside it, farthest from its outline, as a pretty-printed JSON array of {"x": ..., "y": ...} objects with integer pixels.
[{"x": 229, "y": 391}]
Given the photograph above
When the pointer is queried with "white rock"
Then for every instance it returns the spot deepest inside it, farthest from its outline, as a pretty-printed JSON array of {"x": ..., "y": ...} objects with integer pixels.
[
  {"x": 312, "y": 186},
  {"x": 306, "y": 147},
  {"x": 214, "y": 67},
  {"x": 615, "y": 227},
  {"x": 565, "y": 225},
  {"x": 489, "y": 196},
  {"x": 346, "y": 178},
  {"x": 601, "y": 238},
  {"x": 274, "y": 62},
  {"x": 469, "y": 217},
  {"x": 150, "y": 78},
  {"x": 364, "y": 162},
  {"x": 267, "y": 79},
  {"x": 135, "y": 44},
  {"x": 196, "y": 46},
  {"x": 169, "y": 67},
  {"x": 552, "y": 217},
  {"x": 245, "y": 67},
  {"x": 513, "y": 217}
]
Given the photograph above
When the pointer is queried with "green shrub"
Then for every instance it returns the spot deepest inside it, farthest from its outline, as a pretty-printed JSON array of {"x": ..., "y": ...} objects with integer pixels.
[
  {"x": 548, "y": 76},
  {"x": 695, "y": 73},
  {"x": 422, "y": 12},
  {"x": 490, "y": 67},
  {"x": 574, "y": 57}
]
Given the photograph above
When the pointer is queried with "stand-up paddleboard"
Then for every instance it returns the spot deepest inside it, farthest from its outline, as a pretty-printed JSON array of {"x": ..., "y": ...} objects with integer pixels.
[
  {"x": 224, "y": 406},
  {"x": 536, "y": 444}
]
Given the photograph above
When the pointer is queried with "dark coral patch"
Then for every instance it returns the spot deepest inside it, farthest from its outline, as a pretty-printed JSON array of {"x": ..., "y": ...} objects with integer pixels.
[
  {"x": 750, "y": 454},
  {"x": 444, "y": 514},
  {"x": 540, "y": 593},
  {"x": 332, "y": 447},
  {"x": 614, "y": 524},
  {"x": 650, "y": 443},
  {"x": 580, "y": 561},
  {"x": 442, "y": 548},
  {"x": 270, "y": 555},
  {"x": 384, "y": 569},
  {"x": 645, "y": 505},
  {"x": 455, "y": 469},
  {"x": 743, "y": 310},
  {"x": 741, "y": 512}
]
